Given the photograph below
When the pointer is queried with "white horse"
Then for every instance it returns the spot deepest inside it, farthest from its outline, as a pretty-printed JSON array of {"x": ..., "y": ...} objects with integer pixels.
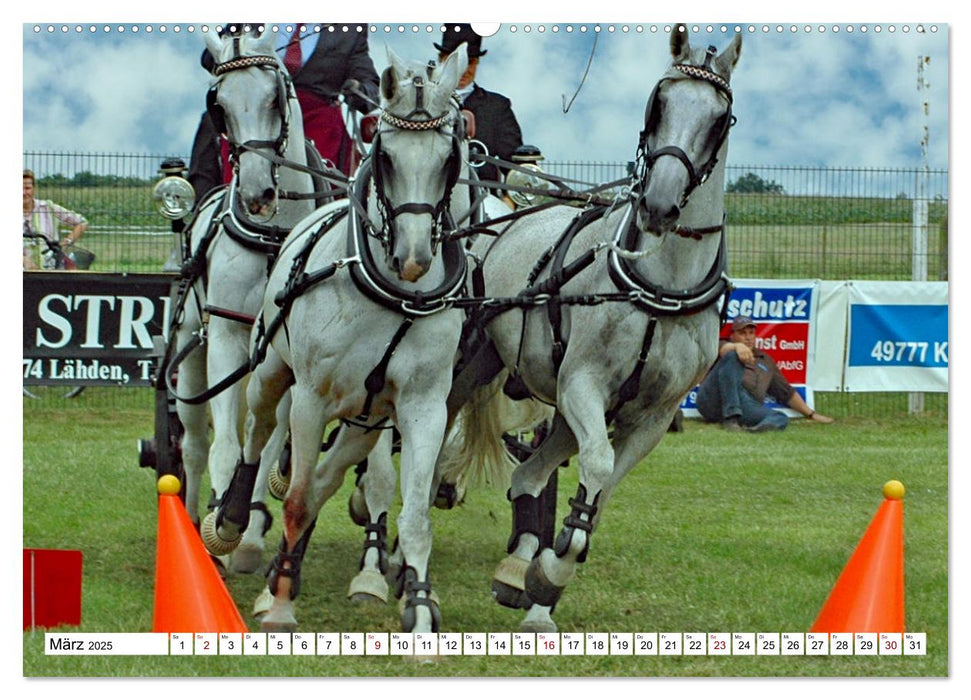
[
  {"x": 233, "y": 237},
  {"x": 358, "y": 325},
  {"x": 632, "y": 319}
]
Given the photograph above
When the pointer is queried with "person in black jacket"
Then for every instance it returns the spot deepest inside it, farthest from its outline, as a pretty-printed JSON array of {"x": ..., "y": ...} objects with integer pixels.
[
  {"x": 331, "y": 62},
  {"x": 495, "y": 122}
]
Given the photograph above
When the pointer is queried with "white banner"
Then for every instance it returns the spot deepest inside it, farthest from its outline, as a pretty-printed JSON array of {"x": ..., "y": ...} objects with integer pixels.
[{"x": 897, "y": 336}]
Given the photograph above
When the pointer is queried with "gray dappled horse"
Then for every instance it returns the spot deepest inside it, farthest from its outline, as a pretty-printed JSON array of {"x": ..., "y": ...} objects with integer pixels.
[
  {"x": 235, "y": 233},
  {"x": 631, "y": 324},
  {"x": 358, "y": 324}
]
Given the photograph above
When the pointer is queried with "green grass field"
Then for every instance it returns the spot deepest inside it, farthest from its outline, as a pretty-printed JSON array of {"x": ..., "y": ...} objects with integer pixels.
[{"x": 714, "y": 532}]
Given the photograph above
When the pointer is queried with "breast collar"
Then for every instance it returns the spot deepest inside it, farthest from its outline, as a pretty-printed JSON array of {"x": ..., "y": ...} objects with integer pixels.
[
  {"x": 249, "y": 234},
  {"x": 653, "y": 298}
]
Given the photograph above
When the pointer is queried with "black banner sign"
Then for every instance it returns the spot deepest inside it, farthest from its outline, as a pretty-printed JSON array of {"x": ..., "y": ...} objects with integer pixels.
[{"x": 93, "y": 329}]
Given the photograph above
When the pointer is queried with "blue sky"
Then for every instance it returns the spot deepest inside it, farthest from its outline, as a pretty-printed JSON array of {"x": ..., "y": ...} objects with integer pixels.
[{"x": 840, "y": 97}]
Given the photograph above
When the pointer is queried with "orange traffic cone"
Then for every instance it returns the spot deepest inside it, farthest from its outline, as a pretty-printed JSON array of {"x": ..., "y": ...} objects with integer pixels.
[
  {"x": 189, "y": 594},
  {"x": 869, "y": 594}
]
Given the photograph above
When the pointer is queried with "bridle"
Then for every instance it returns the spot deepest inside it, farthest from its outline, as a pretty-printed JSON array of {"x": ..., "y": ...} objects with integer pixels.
[
  {"x": 646, "y": 157},
  {"x": 419, "y": 119},
  {"x": 284, "y": 93}
]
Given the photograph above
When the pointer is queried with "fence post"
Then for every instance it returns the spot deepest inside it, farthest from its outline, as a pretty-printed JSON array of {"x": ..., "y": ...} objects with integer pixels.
[{"x": 915, "y": 401}]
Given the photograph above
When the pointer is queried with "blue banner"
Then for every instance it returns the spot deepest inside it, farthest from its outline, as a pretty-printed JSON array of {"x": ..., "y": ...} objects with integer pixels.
[{"x": 891, "y": 335}]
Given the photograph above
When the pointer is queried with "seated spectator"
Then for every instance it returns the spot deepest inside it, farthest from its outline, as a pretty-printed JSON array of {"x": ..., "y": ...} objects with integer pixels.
[{"x": 735, "y": 389}]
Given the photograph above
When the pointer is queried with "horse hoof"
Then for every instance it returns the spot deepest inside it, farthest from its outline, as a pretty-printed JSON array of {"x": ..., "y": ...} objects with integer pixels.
[
  {"x": 220, "y": 564},
  {"x": 539, "y": 588},
  {"x": 424, "y": 659},
  {"x": 509, "y": 583},
  {"x": 542, "y": 625},
  {"x": 278, "y": 483},
  {"x": 289, "y": 625},
  {"x": 449, "y": 496},
  {"x": 263, "y": 603},
  {"x": 368, "y": 587},
  {"x": 212, "y": 539},
  {"x": 510, "y": 597},
  {"x": 357, "y": 507},
  {"x": 246, "y": 559}
]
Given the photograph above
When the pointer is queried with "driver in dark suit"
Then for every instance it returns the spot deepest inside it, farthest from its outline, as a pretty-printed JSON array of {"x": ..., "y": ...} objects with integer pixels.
[{"x": 495, "y": 123}]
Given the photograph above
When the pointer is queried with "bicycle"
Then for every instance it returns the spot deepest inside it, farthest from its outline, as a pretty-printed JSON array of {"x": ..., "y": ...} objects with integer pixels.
[{"x": 54, "y": 257}]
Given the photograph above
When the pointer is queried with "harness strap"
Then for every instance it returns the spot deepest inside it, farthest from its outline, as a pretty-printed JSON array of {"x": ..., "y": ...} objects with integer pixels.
[
  {"x": 631, "y": 386},
  {"x": 374, "y": 384},
  {"x": 229, "y": 314},
  {"x": 560, "y": 275}
]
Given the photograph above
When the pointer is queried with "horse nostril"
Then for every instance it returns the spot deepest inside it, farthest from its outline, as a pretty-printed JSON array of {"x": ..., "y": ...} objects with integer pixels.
[{"x": 269, "y": 194}]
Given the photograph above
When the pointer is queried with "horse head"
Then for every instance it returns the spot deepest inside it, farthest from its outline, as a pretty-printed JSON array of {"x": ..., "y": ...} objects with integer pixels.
[
  {"x": 686, "y": 125},
  {"x": 416, "y": 156},
  {"x": 249, "y": 103}
]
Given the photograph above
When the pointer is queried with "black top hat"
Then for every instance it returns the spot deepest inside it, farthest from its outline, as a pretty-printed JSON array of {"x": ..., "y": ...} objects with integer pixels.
[{"x": 455, "y": 34}]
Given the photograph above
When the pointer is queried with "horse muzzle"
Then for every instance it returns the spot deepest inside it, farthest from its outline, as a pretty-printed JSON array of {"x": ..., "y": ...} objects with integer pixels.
[
  {"x": 261, "y": 206},
  {"x": 656, "y": 217},
  {"x": 411, "y": 267}
]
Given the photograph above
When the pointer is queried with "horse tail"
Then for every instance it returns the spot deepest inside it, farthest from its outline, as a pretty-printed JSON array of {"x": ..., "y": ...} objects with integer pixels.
[{"x": 474, "y": 451}]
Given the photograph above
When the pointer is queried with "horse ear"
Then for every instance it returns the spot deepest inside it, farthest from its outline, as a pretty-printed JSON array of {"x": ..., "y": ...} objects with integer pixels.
[
  {"x": 388, "y": 83},
  {"x": 680, "y": 49},
  {"x": 729, "y": 57},
  {"x": 265, "y": 43},
  {"x": 392, "y": 74},
  {"x": 214, "y": 44},
  {"x": 454, "y": 66}
]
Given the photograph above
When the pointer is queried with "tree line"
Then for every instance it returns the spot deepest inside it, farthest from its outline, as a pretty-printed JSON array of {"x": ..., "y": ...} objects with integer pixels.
[{"x": 85, "y": 178}]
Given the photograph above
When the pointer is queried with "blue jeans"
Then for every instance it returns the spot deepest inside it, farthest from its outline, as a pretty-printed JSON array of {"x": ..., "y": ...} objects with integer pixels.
[{"x": 721, "y": 396}]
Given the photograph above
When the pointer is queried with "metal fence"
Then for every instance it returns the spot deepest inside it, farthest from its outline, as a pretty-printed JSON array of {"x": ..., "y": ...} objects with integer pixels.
[{"x": 783, "y": 222}]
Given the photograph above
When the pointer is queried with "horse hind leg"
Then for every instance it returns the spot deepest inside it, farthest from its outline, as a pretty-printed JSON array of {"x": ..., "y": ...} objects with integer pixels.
[{"x": 278, "y": 479}]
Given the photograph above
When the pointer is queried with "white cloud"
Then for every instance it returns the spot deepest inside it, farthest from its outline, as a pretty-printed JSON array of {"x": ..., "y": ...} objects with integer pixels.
[{"x": 842, "y": 99}]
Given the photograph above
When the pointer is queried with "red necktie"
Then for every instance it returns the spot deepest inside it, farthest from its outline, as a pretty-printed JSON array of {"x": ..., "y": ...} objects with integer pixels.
[{"x": 292, "y": 59}]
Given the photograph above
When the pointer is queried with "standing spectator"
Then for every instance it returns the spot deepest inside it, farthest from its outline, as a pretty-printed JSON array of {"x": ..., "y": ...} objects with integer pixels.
[
  {"x": 495, "y": 124},
  {"x": 734, "y": 391},
  {"x": 323, "y": 66},
  {"x": 43, "y": 218}
]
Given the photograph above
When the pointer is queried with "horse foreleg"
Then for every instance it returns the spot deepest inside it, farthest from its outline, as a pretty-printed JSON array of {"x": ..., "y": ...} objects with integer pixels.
[
  {"x": 422, "y": 434},
  {"x": 307, "y": 421},
  {"x": 381, "y": 482},
  {"x": 222, "y": 529},
  {"x": 248, "y": 557},
  {"x": 195, "y": 423},
  {"x": 581, "y": 404},
  {"x": 530, "y": 509}
]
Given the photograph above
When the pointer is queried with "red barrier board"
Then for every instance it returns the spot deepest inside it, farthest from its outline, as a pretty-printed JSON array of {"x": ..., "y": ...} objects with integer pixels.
[{"x": 52, "y": 588}]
